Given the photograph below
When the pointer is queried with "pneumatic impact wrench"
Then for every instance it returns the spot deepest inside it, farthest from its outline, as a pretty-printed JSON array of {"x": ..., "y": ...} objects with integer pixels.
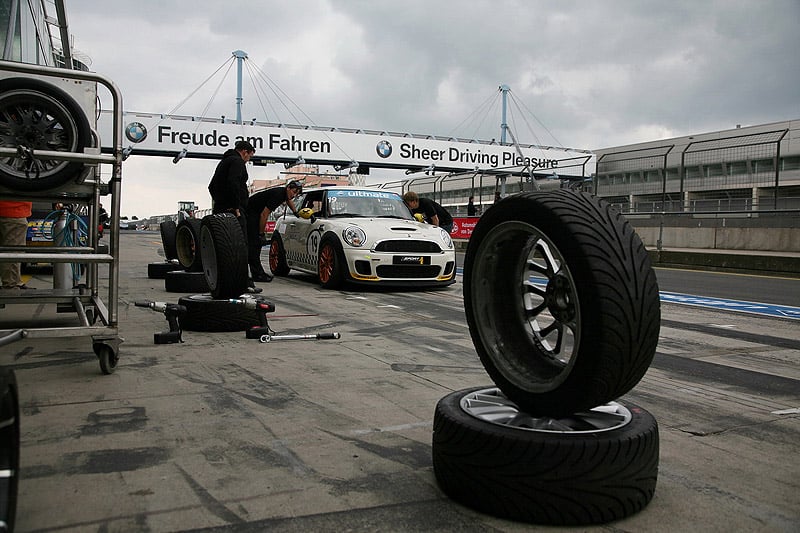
[{"x": 173, "y": 313}]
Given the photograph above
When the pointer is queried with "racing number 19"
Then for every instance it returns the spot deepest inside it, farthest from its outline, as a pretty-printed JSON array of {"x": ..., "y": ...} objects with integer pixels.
[{"x": 313, "y": 243}]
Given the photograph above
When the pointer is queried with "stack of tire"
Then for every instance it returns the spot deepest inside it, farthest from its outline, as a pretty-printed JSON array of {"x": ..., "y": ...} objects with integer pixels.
[
  {"x": 208, "y": 257},
  {"x": 159, "y": 270},
  {"x": 563, "y": 308},
  {"x": 183, "y": 269}
]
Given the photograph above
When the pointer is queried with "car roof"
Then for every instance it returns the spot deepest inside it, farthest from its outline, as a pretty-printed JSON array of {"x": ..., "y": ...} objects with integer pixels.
[{"x": 349, "y": 188}]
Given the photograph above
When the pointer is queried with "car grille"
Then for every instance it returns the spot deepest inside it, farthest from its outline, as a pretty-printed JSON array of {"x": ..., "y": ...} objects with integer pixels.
[
  {"x": 406, "y": 246},
  {"x": 407, "y": 271}
]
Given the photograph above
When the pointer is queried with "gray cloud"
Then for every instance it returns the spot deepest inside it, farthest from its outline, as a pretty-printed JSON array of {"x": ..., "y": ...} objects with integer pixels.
[{"x": 595, "y": 74}]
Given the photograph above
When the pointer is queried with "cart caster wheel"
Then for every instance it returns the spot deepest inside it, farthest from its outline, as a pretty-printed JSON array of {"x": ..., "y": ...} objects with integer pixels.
[{"x": 108, "y": 358}]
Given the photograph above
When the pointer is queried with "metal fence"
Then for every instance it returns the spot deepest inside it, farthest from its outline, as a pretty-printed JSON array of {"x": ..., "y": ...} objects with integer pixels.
[
  {"x": 454, "y": 190},
  {"x": 729, "y": 174}
]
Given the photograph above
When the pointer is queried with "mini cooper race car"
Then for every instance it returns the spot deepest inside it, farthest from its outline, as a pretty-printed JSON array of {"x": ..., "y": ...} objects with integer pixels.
[{"x": 360, "y": 235}]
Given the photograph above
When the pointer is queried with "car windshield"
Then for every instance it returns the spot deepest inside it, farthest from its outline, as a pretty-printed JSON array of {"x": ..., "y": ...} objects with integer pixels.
[{"x": 360, "y": 203}]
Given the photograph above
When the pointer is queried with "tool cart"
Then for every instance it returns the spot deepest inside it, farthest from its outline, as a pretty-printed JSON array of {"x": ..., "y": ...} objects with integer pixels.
[{"x": 50, "y": 151}]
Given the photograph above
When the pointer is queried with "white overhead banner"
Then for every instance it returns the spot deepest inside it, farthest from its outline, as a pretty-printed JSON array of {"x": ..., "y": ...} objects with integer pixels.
[{"x": 202, "y": 137}]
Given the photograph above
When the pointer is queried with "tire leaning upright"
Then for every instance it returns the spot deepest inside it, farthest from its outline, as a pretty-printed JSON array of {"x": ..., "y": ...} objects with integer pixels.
[
  {"x": 168, "y": 228},
  {"x": 561, "y": 301},
  {"x": 187, "y": 240},
  {"x": 224, "y": 255}
]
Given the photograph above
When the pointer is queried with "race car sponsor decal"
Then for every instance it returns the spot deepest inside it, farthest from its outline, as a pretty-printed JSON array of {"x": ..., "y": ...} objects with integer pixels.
[
  {"x": 362, "y": 194},
  {"x": 312, "y": 242},
  {"x": 411, "y": 260}
]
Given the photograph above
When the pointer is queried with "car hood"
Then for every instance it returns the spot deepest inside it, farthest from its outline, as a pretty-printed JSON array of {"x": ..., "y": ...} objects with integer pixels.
[{"x": 381, "y": 229}]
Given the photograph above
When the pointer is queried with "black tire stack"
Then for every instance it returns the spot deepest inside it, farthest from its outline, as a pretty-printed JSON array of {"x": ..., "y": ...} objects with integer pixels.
[
  {"x": 208, "y": 262},
  {"x": 224, "y": 255},
  {"x": 159, "y": 270},
  {"x": 563, "y": 308},
  {"x": 182, "y": 270}
]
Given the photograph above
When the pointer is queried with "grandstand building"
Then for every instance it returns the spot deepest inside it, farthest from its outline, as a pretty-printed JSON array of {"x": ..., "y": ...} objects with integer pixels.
[{"x": 754, "y": 168}]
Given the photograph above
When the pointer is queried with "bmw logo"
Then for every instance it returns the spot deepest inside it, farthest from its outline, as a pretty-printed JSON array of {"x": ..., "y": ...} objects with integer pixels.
[
  {"x": 135, "y": 132},
  {"x": 384, "y": 149}
]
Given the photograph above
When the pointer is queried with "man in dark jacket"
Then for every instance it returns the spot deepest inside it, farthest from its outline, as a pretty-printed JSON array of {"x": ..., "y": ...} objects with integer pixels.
[
  {"x": 433, "y": 212},
  {"x": 228, "y": 187},
  {"x": 259, "y": 206}
]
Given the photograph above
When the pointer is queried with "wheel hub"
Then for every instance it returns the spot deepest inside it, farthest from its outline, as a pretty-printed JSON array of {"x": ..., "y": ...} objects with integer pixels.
[
  {"x": 30, "y": 136},
  {"x": 559, "y": 298}
]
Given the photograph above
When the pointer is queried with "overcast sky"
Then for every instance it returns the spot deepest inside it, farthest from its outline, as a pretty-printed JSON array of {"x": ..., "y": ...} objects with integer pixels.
[{"x": 583, "y": 74}]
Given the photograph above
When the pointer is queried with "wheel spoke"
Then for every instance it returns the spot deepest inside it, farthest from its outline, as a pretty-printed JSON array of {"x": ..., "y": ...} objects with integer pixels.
[
  {"x": 554, "y": 326},
  {"x": 532, "y": 288},
  {"x": 535, "y": 267},
  {"x": 536, "y": 311},
  {"x": 553, "y": 265}
]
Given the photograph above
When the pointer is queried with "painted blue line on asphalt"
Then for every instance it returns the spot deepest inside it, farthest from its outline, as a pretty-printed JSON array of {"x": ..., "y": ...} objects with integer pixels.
[{"x": 782, "y": 311}]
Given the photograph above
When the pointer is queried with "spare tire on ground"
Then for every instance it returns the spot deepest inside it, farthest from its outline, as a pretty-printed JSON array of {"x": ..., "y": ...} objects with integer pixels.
[
  {"x": 591, "y": 467},
  {"x": 204, "y": 313},
  {"x": 186, "y": 282},
  {"x": 224, "y": 255},
  {"x": 159, "y": 270}
]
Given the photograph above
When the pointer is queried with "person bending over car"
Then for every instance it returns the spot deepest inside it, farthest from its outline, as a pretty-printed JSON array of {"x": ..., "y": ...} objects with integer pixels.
[
  {"x": 433, "y": 212},
  {"x": 259, "y": 207}
]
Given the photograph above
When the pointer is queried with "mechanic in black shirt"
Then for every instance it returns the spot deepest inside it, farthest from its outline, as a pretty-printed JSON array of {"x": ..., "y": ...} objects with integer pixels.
[
  {"x": 228, "y": 186},
  {"x": 433, "y": 212},
  {"x": 259, "y": 206}
]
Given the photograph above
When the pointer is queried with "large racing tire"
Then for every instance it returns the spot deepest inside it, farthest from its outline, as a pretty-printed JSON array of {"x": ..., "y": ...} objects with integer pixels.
[
  {"x": 589, "y": 468},
  {"x": 561, "y": 301},
  {"x": 204, "y": 313},
  {"x": 185, "y": 282},
  {"x": 168, "y": 229},
  {"x": 277, "y": 256},
  {"x": 331, "y": 264},
  {"x": 224, "y": 251},
  {"x": 187, "y": 241},
  {"x": 39, "y": 116},
  {"x": 9, "y": 448}
]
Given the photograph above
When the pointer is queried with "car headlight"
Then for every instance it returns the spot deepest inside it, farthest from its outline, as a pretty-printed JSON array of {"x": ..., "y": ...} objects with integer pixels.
[
  {"x": 354, "y": 236},
  {"x": 448, "y": 242}
]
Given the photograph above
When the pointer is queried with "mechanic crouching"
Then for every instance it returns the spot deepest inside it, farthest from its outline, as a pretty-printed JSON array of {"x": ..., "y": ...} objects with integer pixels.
[{"x": 259, "y": 207}]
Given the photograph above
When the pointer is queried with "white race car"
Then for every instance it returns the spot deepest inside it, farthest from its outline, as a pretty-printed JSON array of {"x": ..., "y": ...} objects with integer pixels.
[{"x": 361, "y": 235}]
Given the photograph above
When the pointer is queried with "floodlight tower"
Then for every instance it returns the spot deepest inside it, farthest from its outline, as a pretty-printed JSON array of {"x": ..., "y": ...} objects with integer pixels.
[
  {"x": 504, "y": 89},
  {"x": 240, "y": 56},
  {"x": 504, "y": 124}
]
